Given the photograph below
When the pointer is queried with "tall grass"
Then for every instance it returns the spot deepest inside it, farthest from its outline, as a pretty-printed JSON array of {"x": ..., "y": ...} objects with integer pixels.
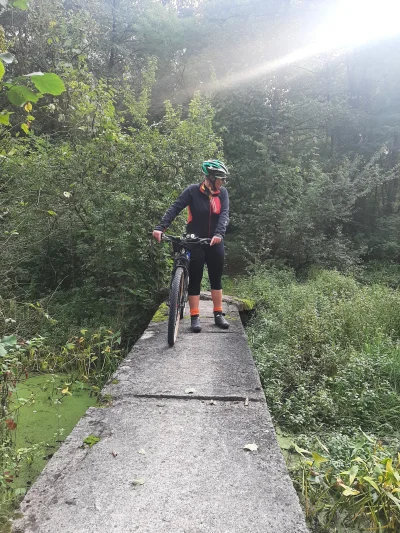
[{"x": 328, "y": 350}]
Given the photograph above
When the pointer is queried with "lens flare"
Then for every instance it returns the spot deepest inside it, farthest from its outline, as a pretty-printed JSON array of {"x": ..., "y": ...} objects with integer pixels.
[
  {"x": 348, "y": 24},
  {"x": 357, "y": 22}
]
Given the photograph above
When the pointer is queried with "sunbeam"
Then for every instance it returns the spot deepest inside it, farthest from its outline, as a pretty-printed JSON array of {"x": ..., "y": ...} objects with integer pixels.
[{"x": 347, "y": 24}]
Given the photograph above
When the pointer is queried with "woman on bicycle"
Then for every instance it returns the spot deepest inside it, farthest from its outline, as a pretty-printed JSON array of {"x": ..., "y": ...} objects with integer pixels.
[{"x": 208, "y": 216}]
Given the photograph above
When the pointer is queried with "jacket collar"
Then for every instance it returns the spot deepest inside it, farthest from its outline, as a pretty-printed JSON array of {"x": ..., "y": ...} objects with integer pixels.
[{"x": 205, "y": 190}]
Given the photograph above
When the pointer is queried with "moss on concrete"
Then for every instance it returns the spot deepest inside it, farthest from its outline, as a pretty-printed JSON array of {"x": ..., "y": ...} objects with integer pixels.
[
  {"x": 91, "y": 440},
  {"x": 248, "y": 304},
  {"x": 161, "y": 315},
  {"x": 105, "y": 401}
]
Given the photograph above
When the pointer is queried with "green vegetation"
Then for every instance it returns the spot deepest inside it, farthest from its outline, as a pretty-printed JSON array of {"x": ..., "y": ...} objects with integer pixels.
[
  {"x": 248, "y": 305},
  {"x": 49, "y": 406},
  {"x": 38, "y": 412},
  {"x": 91, "y": 440},
  {"x": 161, "y": 315},
  {"x": 43, "y": 411},
  {"x": 328, "y": 352},
  {"x": 93, "y": 149}
]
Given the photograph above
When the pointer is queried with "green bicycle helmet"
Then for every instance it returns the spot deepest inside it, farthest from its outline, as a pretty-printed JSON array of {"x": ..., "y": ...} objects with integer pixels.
[{"x": 214, "y": 168}]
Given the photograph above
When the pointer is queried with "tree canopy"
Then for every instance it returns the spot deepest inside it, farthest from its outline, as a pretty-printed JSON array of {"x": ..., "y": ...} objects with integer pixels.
[{"x": 120, "y": 101}]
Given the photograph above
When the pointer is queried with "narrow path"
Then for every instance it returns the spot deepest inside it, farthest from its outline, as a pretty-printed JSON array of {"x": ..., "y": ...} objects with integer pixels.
[{"x": 171, "y": 454}]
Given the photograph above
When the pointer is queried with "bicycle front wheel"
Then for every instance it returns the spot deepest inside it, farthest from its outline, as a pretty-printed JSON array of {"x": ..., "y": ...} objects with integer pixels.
[{"x": 175, "y": 300}]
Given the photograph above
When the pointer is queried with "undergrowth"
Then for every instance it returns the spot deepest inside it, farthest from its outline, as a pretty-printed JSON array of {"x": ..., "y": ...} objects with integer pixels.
[{"x": 328, "y": 353}]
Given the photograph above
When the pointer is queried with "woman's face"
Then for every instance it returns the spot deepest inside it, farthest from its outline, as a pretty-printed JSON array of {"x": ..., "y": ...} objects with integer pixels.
[{"x": 219, "y": 182}]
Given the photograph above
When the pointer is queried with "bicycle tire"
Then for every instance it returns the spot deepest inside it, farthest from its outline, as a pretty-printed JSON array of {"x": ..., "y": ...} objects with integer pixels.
[{"x": 175, "y": 299}]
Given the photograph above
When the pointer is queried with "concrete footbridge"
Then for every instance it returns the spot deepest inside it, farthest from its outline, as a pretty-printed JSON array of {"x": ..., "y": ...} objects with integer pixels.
[{"x": 170, "y": 449}]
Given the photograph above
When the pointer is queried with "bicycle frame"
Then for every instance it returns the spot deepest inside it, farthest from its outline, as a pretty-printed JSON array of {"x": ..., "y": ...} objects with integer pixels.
[{"x": 181, "y": 249}]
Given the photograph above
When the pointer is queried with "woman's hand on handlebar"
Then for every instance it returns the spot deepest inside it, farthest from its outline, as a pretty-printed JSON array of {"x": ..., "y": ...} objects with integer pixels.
[
  {"x": 157, "y": 234},
  {"x": 215, "y": 240}
]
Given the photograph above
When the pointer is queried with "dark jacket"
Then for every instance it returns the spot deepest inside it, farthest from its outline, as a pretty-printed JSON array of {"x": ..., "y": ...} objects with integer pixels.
[{"x": 208, "y": 211}]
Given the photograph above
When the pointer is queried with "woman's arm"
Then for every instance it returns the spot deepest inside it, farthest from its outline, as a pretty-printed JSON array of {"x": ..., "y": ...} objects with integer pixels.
[
  {"x": 180, "y": 203},
  {"x": 223, "y": 220}
]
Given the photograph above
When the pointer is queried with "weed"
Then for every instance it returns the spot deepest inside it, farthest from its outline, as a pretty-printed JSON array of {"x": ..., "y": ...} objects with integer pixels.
[
  {"x": 328, "y": 353},
  {"x": 91, "y": 440},
  {"x": 364, "y": 494},
  {"x": 161, "y": 315}
]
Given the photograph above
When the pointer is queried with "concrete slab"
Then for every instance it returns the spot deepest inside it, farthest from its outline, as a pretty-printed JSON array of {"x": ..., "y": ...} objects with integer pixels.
[
  {"x": 196, "y": 477},
  {"x": 208, "y": 363}
]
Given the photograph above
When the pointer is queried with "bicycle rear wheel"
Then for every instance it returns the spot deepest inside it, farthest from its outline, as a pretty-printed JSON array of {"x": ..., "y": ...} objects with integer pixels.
[{"x": 175, "y": 300}]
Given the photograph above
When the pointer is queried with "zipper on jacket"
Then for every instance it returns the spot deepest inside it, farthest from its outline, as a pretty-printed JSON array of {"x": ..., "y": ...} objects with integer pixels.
[{"x": 209, "y": 220}]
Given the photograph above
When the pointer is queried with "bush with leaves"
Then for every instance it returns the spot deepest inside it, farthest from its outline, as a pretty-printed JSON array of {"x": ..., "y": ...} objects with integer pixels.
[
  {"x": 79, "y": 217},
  {"x": 328, "y": 353},
  {"x": 328, "y": 350}
]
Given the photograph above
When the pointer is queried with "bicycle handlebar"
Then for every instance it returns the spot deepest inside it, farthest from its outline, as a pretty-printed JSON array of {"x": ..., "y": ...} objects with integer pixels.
[{"x": 187, "y": 239}]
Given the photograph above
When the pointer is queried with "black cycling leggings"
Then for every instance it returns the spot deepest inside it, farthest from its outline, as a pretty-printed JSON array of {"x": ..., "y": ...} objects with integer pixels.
[{"x": 213, "y": 256}]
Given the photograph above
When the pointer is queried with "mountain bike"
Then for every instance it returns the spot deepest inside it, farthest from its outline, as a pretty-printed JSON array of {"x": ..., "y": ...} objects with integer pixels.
[{"x": 181, "y": 247}]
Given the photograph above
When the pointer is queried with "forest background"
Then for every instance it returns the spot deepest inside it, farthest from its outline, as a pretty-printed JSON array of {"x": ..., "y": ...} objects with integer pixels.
[{"x": 149, "y": 90}]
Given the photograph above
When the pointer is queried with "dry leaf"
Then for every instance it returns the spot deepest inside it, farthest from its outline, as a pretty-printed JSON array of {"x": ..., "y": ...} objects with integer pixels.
[
  {"x": 251, "y": 447},
  {"x": 11, "y": 424},
  {"x": 136, "y": 482}
]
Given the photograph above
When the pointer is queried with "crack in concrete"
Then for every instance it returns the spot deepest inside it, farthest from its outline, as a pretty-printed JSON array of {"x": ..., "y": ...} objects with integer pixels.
[{"x": 189, "y": 397}]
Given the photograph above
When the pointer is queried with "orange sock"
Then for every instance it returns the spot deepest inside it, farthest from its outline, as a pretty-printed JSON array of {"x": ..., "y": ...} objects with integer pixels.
[
  {"x": 194, "y": 312},
  {"x": 217, "y": 309}
]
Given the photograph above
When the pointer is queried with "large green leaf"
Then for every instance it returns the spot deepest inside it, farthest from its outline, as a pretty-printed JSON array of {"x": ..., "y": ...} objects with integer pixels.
[
  {"x": 19, "y": 95},
  {"x": 5, "y": 342},
  {"x": 48, "y": 83},
  {"x": 318, "y": 459},
  {"x": 5, "y": 118},
  {"x": 9, "y": 340},
  {"x": 2, "y": 70},
  {"x": 21, "y": 4},
  {"x": 6, "y": 57}
]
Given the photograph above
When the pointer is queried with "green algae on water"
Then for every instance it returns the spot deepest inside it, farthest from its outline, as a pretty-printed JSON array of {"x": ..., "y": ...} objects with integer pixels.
[{"x": 49, "y": 407}]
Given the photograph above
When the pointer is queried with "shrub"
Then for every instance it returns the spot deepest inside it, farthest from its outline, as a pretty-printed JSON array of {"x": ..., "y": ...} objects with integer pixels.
[{"x": 327, "y": 349}]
